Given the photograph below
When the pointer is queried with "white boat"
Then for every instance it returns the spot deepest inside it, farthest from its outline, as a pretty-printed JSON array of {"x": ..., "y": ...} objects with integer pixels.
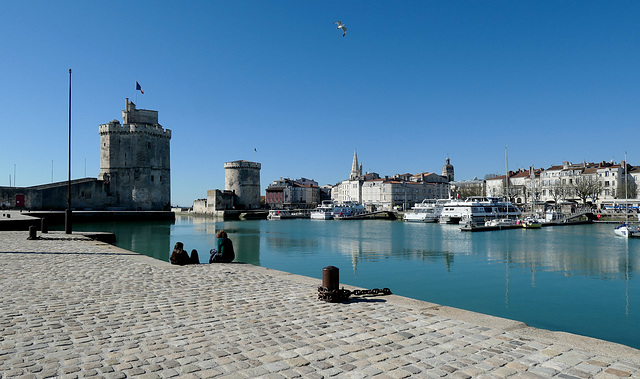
[
  {"x": 501, "y": 222},
  {"x": 531, "y": 223},
  {"x": 627, "y": 231},
  {"x": 477, "y": 210},
  {"x": 280, "y": 214},
  {"x": 427, "y": 211},
  {"x": 347, "y": 209},
  {"x": 324, "y": 211},
  {"x": 277, "y": 214}
]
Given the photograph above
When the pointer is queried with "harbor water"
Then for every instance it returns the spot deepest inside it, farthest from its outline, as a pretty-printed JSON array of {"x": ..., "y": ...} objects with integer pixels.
[{"x": 579, "y": 279}]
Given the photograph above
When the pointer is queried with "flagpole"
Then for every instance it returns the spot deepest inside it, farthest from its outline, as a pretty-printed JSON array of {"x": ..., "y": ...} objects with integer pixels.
[
  {"x": 135, "y": 96},
  {"x": 67, "y": 221}
]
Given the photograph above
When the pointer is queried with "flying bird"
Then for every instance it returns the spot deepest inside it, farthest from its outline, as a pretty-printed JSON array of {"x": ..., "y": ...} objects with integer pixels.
[{"x": 340, "y": 26}]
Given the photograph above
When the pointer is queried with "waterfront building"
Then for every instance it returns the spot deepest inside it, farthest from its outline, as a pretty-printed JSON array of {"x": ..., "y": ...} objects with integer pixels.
[
  {"x": 463, "y": 189},
  {"x": 134, "y": 173},
  {"x": 520, "y": 184},
  {"x": 401, "y": 190},
  {"x": 583, "y": 182},
  {"x": 385, "y": 194},
  {"x": 439, "y": 185},
  {"x": 292, "y": 194},
  {"x": 596, "y": 184}
]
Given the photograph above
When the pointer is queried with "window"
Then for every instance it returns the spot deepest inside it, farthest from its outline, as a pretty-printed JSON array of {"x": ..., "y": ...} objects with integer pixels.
[
  {"x": 148, "y": 145},
  {"x": 152, "y": 178}
]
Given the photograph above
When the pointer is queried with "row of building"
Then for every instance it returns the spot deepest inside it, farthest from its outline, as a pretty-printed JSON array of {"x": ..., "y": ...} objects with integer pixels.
[
  {"x": 369, "y": 189},
  {"x": 598, "y": 184}
]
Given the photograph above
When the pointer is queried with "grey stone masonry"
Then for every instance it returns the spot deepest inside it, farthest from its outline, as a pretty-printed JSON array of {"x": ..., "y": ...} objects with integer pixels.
[{"x": 72, "y": 307}]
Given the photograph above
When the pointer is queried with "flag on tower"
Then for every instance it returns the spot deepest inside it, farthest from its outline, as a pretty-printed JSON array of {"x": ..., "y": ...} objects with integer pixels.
[{"x": 138, "y": 88}]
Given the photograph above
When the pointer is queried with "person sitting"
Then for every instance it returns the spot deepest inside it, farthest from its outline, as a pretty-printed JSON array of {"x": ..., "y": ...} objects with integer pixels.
[
  {"x": 179, "y": 256},
  {"x": 224, "y": 252},
  {"x": 194, "y": 260}
]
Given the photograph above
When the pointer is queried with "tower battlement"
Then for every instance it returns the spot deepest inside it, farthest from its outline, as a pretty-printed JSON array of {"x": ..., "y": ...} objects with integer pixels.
[
  {"x": 242, "y": 164},
  {"x": 114, "y": 127}
]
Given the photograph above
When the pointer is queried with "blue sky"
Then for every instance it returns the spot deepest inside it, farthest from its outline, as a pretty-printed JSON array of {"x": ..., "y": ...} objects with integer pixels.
[{"x": 411, "y": 83}]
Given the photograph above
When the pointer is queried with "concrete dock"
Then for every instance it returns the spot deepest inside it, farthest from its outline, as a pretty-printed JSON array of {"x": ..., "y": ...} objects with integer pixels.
[{"x": 74, "y": 307}]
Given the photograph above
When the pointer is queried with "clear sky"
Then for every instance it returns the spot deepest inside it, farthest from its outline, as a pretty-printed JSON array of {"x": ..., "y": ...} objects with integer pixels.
[{"x": 411, "y": 83}]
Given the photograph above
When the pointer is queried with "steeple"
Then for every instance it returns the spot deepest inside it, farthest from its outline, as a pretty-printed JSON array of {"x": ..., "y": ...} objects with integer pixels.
[{"x": 355, "y": 169}]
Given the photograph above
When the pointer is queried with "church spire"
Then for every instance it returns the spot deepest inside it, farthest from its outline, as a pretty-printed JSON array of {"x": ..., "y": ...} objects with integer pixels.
[{"x": 355, "y": 170}]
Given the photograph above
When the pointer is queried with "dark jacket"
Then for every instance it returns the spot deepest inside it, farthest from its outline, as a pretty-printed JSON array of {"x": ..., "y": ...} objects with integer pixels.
[{"x": 180, "y": 257}]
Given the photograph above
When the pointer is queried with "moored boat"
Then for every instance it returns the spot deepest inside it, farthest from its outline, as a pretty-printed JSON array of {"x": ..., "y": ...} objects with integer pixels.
[
  {"x": 426, "y": 211},
  {"x": 280, "y": 214},
  {"x": 324, "y": 211},
  {"x": 624, "y": 229},
  {"x": 501, "y": 222},
  {"x": 478, "y": 210},
  {"x": 277, "y": 214},
  {"x": 347, "y": 209},
  {"x": 531, "y": 223},
  {"x": 627, "y": 231}
]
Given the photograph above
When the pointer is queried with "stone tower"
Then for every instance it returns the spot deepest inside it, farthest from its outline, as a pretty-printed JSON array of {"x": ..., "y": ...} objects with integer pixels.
[
  {"x": 447, "y": 170},
  {"x": 134, "y": 161},
  {"x": 243, "y": 178}
]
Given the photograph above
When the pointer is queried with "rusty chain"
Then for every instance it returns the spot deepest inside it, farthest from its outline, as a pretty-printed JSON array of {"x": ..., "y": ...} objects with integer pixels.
[{"x": 341, "y": 295}]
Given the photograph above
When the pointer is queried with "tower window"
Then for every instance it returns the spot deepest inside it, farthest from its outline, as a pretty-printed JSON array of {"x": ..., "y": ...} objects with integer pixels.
[
  {"x": 148, "y": 145},
  {"x": 152, "y": 178}
]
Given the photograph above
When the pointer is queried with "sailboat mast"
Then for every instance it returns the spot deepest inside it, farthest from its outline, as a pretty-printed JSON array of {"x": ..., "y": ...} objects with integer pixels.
[
  {"x": 626, "y": 197},
  {"x": 506, "y": 164}
]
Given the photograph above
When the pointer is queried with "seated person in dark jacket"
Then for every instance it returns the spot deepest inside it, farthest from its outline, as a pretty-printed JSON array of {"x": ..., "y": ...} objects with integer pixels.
[
  {"x": 224, "y": 253},
  {"x": 179, "y": 256},
  {"x": 194, "y": 257}
]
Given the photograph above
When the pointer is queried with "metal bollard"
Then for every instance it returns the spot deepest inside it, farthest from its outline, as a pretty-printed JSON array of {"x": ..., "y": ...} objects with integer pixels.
[
  {"x": 33, "y": 233},
  {"x": 43, "y": 225},
  {"x": 331, "y": 278}
]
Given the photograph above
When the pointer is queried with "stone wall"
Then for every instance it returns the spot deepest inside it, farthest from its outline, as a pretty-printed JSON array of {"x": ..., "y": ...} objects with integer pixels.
[{"x": 86, "y": 194}]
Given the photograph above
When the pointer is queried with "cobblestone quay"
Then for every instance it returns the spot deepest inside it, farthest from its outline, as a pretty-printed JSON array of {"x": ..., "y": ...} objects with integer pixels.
[{"x": 73, "y": 307}]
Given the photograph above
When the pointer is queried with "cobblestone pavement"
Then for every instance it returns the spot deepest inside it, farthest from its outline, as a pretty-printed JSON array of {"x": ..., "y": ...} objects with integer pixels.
[{"x": 72, "y": 307}]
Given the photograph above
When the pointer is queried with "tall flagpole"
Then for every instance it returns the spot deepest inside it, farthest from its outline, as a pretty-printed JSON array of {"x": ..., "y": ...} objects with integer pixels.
[{"x": 67, "y": 218}]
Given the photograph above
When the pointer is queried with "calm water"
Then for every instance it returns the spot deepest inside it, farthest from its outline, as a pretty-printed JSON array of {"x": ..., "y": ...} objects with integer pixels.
[{"x": 579, "y": 279}]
